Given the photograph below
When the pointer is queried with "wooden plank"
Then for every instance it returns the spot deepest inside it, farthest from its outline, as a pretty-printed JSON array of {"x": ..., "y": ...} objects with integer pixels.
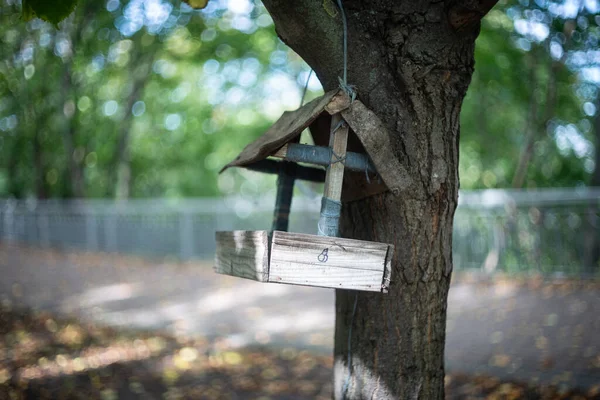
[
  {"x": 332, "y": 262},
  {"x": 339, "y": 102},
  {"x": 287, "y": 127},
  {"x": 244, "y": 254},
  {"x": 376, "y": 140},
  {"x": 335, "y": 173}
]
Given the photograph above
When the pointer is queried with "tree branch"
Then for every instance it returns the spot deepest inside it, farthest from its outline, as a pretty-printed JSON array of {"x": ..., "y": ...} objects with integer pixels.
[
  {"x": 466, "y": 15},
  {"x": 311, "y": 30}
]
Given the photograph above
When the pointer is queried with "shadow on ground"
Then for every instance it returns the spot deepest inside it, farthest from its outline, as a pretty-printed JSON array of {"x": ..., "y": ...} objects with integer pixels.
[
  {"x": 202, "y": 335},
  {"x": 43, "y": 357}
]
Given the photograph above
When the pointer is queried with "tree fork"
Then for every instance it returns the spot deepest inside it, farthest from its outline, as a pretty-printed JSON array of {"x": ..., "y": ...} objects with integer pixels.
[{"x": 411, "y": 65}]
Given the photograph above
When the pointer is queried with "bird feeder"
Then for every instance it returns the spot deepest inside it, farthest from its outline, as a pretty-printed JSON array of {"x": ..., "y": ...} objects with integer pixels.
[{"x": 323, "y": 260}]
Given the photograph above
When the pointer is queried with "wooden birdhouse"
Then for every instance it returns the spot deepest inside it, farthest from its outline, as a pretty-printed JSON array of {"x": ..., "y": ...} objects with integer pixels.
[{"x": 337, "y": 126}]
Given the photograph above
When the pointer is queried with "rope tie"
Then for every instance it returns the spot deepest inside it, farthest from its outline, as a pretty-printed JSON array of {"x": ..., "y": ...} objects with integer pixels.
[
  {"x": 338, "y": 126},
  {"x": 337, "y": 158},
  {"x": 305, "y": 87},
  {"x": 350, "y": 90}
]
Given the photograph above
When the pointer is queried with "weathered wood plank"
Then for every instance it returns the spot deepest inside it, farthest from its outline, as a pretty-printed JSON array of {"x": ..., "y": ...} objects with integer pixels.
[
  {"x": 287, "y": 127},
  {"x": 244, "y": 254},
  {"x": 335, "y": 173},
  {"x": 375, "y": 138},
  {"x": 329, "y": 277},
  {"x": 339, "y": 102},
  {"x": 329, "y": 262}
]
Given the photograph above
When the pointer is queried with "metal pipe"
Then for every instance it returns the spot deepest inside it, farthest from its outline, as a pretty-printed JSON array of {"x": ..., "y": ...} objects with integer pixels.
[{"x": 320, "y": 155}]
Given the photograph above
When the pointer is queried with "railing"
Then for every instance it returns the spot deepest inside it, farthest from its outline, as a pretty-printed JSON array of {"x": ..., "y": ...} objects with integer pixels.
[{"x": 548, "y": 231}]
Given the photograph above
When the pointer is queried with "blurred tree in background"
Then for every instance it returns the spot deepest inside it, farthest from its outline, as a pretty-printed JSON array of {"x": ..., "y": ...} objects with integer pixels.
[
  {"x": 141, "y": 98},
  {"x": 151, "y": 98},
  {"x": 528, "y": 120}
]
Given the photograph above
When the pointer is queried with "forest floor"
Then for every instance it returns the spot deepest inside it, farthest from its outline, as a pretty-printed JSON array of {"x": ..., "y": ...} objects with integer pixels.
[{"x": 95, "y": 326}]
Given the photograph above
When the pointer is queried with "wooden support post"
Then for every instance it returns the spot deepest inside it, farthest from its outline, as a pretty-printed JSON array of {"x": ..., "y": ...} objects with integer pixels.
[
  {"x": 332, "y": 194},
  {"x": 285, "y": 191},
  {"x": 335, "y": 172}
]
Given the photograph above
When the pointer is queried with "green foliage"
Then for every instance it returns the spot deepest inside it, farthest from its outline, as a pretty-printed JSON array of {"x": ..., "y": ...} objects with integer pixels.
[
  {"x": 128, "y": 101},
  {"x": 526, "y": 96},
  {"x": 115, "y": 108}
]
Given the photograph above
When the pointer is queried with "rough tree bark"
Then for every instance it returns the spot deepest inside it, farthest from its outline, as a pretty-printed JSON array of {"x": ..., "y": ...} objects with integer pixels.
[{"x": 411, "y": 62}]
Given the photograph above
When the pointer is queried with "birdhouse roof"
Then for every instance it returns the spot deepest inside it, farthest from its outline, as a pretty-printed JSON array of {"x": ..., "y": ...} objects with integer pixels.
[
  {"x": 289, "y": 126},
  {"x": 369, "y": 129}
]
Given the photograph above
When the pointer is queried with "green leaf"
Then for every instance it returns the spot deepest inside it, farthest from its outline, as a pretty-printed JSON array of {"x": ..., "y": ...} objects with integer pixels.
[{"x": 51, "y": 11}]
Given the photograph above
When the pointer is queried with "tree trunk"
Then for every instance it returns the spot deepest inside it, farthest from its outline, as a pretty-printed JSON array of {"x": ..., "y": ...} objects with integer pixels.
[
  {"x": 121, "y": 163},
  {"x": 77, "y": 23},
  {"x": 531, "y": 126},
  {"x": 38, "y": 162},
  {"x": 411, "y": 63},
  {"x": 75, "y": 169},
  {"x": 15, "y": 184}
]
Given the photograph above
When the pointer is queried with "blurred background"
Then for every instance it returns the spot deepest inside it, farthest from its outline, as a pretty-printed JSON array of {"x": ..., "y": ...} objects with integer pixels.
[{"x": 113, "y": 128}]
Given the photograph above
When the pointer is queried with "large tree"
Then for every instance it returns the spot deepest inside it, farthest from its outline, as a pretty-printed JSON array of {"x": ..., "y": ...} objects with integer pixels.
[{"x": 411, "y": 63}]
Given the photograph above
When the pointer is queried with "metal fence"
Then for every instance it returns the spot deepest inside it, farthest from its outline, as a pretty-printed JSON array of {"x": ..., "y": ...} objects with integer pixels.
[{"x": 548, "y": 231}]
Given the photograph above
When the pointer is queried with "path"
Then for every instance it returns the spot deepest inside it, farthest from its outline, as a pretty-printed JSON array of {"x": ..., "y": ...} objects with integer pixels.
[{"x": 536, "y": 331}]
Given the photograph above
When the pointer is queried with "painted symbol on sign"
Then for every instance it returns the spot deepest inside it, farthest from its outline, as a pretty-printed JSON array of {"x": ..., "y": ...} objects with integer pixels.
[{"x": 323, "y": 257}]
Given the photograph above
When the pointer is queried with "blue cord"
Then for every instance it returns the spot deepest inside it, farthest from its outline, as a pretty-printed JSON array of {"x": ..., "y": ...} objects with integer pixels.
[{"x": 305, "y": 88}]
